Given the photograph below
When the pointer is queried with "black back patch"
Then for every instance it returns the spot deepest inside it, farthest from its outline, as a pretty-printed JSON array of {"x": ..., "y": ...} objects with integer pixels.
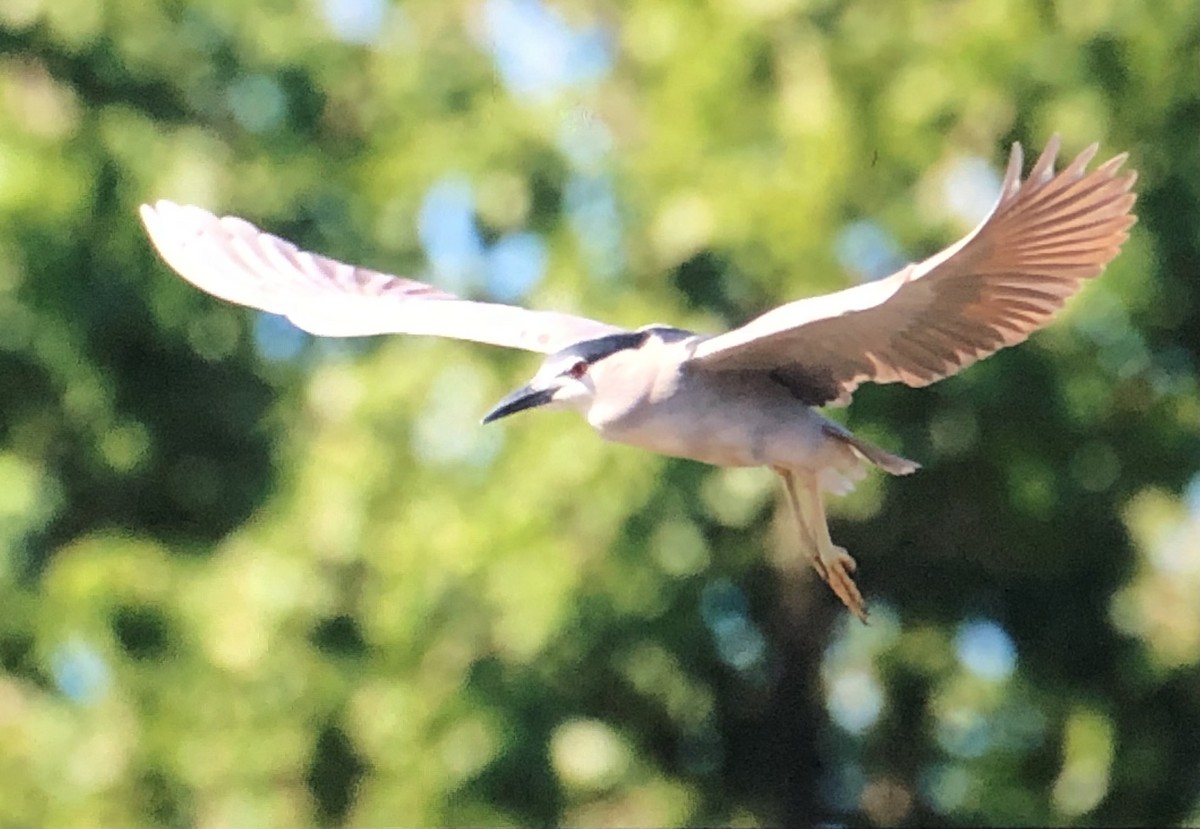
[{"x": 593, "y": 351}]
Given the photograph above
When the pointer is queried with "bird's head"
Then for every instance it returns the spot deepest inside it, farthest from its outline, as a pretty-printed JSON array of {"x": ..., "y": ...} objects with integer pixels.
[{"x": 568, "y": 378}]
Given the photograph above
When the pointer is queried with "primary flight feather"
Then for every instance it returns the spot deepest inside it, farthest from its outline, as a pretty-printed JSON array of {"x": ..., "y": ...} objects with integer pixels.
[{"x": 992, "y": 289}]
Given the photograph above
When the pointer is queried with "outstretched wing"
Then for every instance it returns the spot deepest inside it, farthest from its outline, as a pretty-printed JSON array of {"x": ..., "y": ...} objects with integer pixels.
[
  {"x": 992, "y": 289},
  {"x": 234, "y": 260}
]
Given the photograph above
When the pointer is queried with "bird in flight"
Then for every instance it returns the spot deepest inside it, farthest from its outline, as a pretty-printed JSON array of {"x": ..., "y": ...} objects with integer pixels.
[{"x": 747, "y": 397}]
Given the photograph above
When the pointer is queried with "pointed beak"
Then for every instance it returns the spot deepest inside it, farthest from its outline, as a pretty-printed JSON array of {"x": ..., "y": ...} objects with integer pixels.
[{"x": 520, "y": 400}]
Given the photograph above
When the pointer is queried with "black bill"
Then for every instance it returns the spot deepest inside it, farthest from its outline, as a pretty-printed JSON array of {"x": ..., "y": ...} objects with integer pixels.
[{"x": 520, "y": 400}]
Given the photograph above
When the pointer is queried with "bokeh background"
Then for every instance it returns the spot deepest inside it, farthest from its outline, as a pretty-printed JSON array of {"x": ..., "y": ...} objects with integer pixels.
[{"x": 249, "y": 578}]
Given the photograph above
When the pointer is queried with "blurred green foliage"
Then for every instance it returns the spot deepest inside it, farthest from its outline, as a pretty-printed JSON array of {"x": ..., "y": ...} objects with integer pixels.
[{"x": 253, "y": 579}]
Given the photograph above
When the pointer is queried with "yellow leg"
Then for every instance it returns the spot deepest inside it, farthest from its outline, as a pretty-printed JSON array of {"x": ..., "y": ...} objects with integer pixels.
[
  {"x": 832, "y": 563},
  {"x": 808, "y": 541}
]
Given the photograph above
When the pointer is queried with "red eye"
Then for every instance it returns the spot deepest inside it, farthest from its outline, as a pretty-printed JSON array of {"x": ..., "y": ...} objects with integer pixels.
[{"x": 578, "y": 370}]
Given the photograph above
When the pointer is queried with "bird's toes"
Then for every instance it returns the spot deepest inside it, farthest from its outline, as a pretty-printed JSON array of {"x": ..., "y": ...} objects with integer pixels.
[
  {"x": 819, "y": 565},
  {"x": 847, "y": 560},
  {"x": 838, "y": 571}
]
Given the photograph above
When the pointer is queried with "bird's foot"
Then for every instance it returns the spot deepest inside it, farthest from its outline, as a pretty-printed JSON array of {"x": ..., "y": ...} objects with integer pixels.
[{"x": 836, "y": 567}]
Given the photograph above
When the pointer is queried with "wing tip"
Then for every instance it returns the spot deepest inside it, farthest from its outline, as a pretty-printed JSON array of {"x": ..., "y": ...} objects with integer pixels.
[
  {"x": 1079, "y": 165},
  {"x": 1012, "y": 175},
  {"x": 1043, "y": 168}
]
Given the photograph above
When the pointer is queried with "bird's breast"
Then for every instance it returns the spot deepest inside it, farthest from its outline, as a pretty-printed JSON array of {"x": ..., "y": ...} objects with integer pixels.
[{"x": 720, "y": 418}]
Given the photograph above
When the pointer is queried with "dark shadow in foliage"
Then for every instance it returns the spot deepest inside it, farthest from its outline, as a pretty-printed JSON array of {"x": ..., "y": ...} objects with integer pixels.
[
  {"x": 519, "y": 781},
  {"x": 211, "y": 463},
  {"x": 547, "y": 172},
  {"x": 19, "y": 657},
  {"x": 334, "y": 775},
  {"x": 95, "y": 74},
  {"x": 709, "y": 282},
  {"x": 166, "y": 800},
  {"x": 339, "y": 635},
  {"x": 143, "y": 632}
]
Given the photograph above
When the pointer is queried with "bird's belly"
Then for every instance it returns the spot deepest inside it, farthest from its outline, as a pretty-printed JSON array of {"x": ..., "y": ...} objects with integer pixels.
[
  {"x": 720, "y": 447},
  {"x": 774, "y": 430}
]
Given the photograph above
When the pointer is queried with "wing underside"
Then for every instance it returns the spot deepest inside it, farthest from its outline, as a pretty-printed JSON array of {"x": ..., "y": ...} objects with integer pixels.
[{"x": 992, "y": 289}]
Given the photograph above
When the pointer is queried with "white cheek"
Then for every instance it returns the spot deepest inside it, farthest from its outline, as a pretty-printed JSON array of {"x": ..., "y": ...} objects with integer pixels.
[{"x": 574, "y": 392}]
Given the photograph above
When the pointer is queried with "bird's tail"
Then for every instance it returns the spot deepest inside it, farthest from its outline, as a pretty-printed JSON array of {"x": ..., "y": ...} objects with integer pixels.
[{"x": 892, "y": 464}]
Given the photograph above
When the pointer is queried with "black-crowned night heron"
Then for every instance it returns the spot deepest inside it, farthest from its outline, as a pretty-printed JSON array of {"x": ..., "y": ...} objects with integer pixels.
[{"x": 743, "y": 398}]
